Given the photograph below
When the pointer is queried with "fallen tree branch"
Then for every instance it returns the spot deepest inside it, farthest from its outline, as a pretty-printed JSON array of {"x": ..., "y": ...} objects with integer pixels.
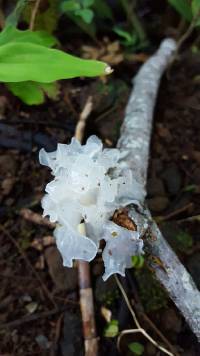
[{"x": 134, "y": 142}]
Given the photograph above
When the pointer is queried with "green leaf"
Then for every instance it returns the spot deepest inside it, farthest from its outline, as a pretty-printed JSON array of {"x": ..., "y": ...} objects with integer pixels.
[
  {"x": 88, "y": 3},
  {"x": 103, "y": 9},
  {"x": 136, "y": 348},
  {"x": 70, "y": 5},
  {"x": 195, "y": 7},
  {"x": 13, "y": 18},
  {"x": 28, "y": 92},
  {"x": 11, "y": 33},
  {"x": 190, "y": 187},
  {"x": 112, "y": 329},
  {"x": 86, "y": 14},
  {"x": 33, "y": 93},
  {"x": 196, "y": 11},
  {"x": 183, "y": 7},
  {"x": 20, "y": 62},
  {"x": 129, "y": 39},
  {"x": 90, "y": 29},
  {"x": 137, "y": 261},
  {"x": 122, "y": 33}
]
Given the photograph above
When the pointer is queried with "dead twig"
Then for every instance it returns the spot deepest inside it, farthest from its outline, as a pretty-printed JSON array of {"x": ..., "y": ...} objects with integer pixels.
[
  {"x": 139, "y": 329},
  {"x": 34, "y": 14},
  {"x": 173, "y": 213},
  {"x": 80, "y": 127},
  {"x": 35, "y": 218},
  {"x": 86, "y": 293},
  {"x": 140, "y": 312},
  {"x": 28, "y": 318}
]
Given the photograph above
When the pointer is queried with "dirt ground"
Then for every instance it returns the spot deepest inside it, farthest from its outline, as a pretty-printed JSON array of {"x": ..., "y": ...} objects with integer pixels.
[{"x": 39, "y": 307}]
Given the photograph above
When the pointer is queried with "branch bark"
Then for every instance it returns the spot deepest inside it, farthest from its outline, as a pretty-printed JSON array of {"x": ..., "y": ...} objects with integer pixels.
[{"x": 134, "y": 142}]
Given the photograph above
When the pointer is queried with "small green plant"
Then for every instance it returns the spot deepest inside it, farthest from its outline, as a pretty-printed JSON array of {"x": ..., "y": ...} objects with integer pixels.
[
  {"x": 85, "y": 12},
  {"x": 137, "y": 261},
  {"x": 81, "y": 8},
  {"x": 126, "y": 38},
  {"x": 30, "y": 66},
  {"x": 112, "y": 329},
  {"x": 183, "y": 240},
  {"x": 136, "y": 348},
  {"x": 189, "y": 10}
]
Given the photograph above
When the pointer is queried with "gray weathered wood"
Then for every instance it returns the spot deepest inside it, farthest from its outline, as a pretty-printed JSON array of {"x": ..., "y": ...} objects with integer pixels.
[{"x": 134, "y": 142}]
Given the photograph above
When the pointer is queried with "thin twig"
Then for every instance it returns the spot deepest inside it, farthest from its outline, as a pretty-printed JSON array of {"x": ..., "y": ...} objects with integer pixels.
[
  {"x": 86, "y": 293},
  {"x": 184, "y": 37},
  {"x": 28, "y": 318},
  {"x": 139, "y": 328},
  {"x": 37, "y": 276},
  {"x": 34, "y": 14},
  {"x": 2, "y": 19},
  {"x": 134, "y": 20},
  {"x": 173, "y": 213},
  {"x": 80, "y": 127},
  {"x": 141, "y": 313},
  {"x": 35, "y": 218}
]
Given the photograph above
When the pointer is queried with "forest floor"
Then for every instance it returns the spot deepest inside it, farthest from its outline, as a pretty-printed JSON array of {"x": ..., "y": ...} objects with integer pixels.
[{"x": 39, "y": 303}]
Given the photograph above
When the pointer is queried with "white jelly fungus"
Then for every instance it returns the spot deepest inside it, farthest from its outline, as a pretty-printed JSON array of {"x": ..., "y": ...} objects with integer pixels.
[{"x": 88, "y": 186}]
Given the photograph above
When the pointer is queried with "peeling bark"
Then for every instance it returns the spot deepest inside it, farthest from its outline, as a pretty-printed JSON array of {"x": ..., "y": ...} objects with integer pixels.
[{"x": 134, "y": 142}]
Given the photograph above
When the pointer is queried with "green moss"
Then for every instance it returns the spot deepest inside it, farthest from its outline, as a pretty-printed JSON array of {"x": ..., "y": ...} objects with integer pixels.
[{"x": 151, "y": 292}]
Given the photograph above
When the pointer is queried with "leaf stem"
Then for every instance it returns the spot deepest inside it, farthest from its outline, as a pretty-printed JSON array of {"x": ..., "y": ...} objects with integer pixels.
[
  {"x": 13, "y": 18},
  {"x": 134, "y": 20}
]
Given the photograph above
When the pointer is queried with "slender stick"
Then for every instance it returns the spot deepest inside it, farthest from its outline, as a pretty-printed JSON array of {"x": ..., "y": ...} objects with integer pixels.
[
  {"x": 86, "y": 293},
  {"x": 80, "y": 127},
  {"x": 34, "y": 14},
  {"x": 139, "y": 328},
  {"x": 134, "y": 142}
]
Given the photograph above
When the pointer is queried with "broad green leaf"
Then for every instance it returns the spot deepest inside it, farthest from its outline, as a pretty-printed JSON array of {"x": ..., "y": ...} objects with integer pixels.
[
  {"x": 70, "y": 5},
  {"x": 11, "y": 33},
  {"x": 136, "y": 348},
  {"x": 20, "y": 62},
  {"x": 183, "y": 7},
  {"x": 196, "y": 11},
  {"x": 195, "y": 7},
  {"x": 28, "y": 92},
  {"x": 112, "y": 329},
  {"x": 103, "y": 9},
  {"x": 33, "y": 93},
  {"x": 87, "y": 3},
  {"x": 90, "y": 29},
  {"x": 86, "y": 14}
]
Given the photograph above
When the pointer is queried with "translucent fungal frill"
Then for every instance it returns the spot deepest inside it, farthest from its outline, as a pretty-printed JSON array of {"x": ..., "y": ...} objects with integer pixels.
[{"x": 89, "y": 186}]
